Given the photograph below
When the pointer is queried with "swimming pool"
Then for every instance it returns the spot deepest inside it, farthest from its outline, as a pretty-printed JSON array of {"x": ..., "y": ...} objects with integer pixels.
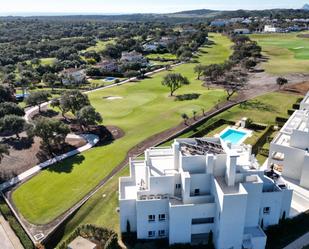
[
  {"x": 233, "y": 136},
  {"x": 110, "y": 79}
]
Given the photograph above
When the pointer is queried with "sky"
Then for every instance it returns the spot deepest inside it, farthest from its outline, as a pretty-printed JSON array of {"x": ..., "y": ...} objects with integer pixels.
[{"x": 138, "y": 6}]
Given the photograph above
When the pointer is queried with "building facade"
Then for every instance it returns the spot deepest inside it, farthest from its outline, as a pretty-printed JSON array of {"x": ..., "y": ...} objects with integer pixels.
[
  {"x": 289, "y": 151},
  {"x": 198, "y": 186}
]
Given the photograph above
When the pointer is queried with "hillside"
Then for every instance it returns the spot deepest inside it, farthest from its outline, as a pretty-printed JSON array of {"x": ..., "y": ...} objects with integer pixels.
[{"x": 306, "y": 7}]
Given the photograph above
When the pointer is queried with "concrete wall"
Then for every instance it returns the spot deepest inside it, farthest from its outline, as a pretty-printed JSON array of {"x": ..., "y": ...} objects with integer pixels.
[
  {"x": 300, "y": 139},
  {"x": 293, "y": 160},
  {"x": 193, "y": 164},
  {"x": 151, "y": 207},
  {"x": 127, "y": 213},
  {"x": 273, "y": 200},
  {"x": 304, "y": 180},
  {"x": 253, "y": 203},
  {"x": 231, "y": 222},
  {"x": 201, "y": 182},
  {"x": 181, "y": 228}
]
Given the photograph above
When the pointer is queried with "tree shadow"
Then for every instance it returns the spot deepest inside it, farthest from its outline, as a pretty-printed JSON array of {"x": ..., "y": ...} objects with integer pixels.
[
  {"x": 47, "y": 114},
  {"x": 67, "y": 165},
  {"x": 258, "y": 105},
  {"x": 19, "y": 144}
]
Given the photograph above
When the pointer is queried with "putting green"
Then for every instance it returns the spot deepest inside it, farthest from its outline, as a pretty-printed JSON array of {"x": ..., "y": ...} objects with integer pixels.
[
  {"x": 288, "y": 53},
  {"x": 144, "y": 110}
]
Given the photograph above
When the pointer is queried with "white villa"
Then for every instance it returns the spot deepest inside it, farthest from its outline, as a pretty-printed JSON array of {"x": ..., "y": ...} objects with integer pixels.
[
  {"x": 196, "y": 186},
  {"x": 133, "y": 57},
  {"x": 289, "y": 151},
  {"x": 72, "y": 76}
]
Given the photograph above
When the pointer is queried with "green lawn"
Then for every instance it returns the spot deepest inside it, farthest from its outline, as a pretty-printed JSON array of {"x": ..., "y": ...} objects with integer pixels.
[
  {"x": 100, "y": 210},
  {"x": 100, "y": 46},
  {"x": 288, "y": 53},
  {"x": 144, "y": 110},
  {"x": 166, "y": 56}
]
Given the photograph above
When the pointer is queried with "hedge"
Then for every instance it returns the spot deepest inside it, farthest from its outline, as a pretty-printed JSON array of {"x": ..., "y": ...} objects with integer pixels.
[
  {"x": 262, "y": 139},
  {"x": 17, "y": 228},
  {"x": 290, "y": 112},
  {"x": 278, "y": 236},
  {"x": 281, "y": 121},
  {"x": 107, "y": 239},
  {"x": 211, "y": 127},
  {"x": 296, "y": 106}
]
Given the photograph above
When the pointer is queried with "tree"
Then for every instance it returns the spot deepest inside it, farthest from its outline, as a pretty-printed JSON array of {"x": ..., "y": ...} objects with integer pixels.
[
  {"x": 6, "y": 94},
  {"x": 50, "y": 79},
  {"x": 13, "y": 124},
  {"x": 88, "y": 116},
  {"x": 281, "y": 82},
  {"x": 128, "y": 227},
  {"x": 38, "y": 98},
  {"x": 194, "y": 114},
  {"x": 210, "y": 244},
  {"x": 51, "y": 131},
  {"x": 249, "y": 64},
  {"x": 234, "y": 82},
  {"x": 8, "y": 108},
  {"x": 4, "y": 150},
  {"x": 185, "y": 118},
  {"x": 213, "y": 72},
  {"x": 199, "y": 69},
  {"x": 73, "y": 101},
  {"x": 174, "y": 81}
]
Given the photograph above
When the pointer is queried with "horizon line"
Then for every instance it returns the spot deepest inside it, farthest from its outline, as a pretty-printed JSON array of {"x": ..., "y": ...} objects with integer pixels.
[{"x": 77, "y": 13}]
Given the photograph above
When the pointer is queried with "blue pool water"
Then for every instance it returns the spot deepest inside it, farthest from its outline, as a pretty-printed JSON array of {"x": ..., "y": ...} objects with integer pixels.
[
  {"x": 110, "y": 78},
  {"x": 233, "y": 136}
]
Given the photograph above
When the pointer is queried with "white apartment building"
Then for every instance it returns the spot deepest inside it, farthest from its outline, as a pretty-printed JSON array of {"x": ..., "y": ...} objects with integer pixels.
[
  {"x": 304, "y": 105},
  {"x": 196, "y": 186},
  {"x": 289, "y": 151},
  {"x": 271, "y": 29}
]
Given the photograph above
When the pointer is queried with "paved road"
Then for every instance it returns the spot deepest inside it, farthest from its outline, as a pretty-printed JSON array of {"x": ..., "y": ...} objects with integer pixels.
[
  {"x": 8, "y": 239},
  {"x": 299, "y": 243}
]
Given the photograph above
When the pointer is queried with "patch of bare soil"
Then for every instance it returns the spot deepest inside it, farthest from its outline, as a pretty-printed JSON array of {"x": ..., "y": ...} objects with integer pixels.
[
  {"x": 300, "y": 88},
  {"x": 26, "y": 153},
  {"x": 303, "y": 35}
]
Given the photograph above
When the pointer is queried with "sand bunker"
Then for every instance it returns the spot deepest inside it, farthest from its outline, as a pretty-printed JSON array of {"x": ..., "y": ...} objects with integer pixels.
[{"x": 112, "y": 97}]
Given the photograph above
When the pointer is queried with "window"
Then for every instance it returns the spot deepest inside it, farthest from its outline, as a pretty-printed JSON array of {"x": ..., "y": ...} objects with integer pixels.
[
  {"x": 197, "y": 191},
  {"x": 151, "y": 218},
  {"x": 161, "y": 233},
  {"x": 162, "y": 217},
  {"x": 203, "y": 221},
  {"x": 151, "y": 234},
  {"x": 266, "y": 210},
  {"x": 178, "y": 186}
]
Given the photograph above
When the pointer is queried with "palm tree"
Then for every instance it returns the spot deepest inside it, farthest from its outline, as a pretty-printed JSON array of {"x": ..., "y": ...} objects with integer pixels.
[{"x": 4, "y": 150}]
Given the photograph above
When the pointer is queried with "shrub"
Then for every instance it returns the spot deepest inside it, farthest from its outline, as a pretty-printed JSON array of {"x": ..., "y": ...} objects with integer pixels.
[
  {"x": 189, "y": 96},
  {"x": 262, "y": 139},
  {"x": 107, "y": 239},
  {"x": 17, "y": 228}
]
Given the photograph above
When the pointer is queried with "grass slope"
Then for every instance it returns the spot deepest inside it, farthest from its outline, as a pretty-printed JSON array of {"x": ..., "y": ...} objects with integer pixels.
[
  {"x": 101, "y": 210},
  {"x": 144, "y": 110},
  {"x": 288, "y": 53}
]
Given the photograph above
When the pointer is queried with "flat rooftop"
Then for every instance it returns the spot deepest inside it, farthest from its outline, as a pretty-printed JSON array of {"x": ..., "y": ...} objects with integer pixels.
[{"x": 298, "y": 121}]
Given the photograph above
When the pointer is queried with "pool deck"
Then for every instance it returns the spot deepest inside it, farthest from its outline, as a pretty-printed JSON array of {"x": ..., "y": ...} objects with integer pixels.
[{"x": 248, "y": 133}]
